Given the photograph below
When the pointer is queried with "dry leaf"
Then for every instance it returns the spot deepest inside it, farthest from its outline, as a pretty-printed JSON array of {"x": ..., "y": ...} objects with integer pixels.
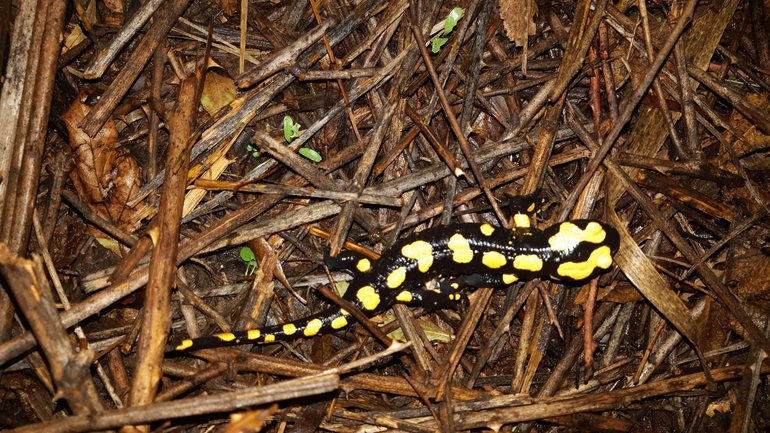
[
  {"x": 250, "y": 421},
  {"x": 229, "y": 7},
  {"x": 104, "y": 177},
  {"x": 517, "y": 19},
  {"x": 115, "y": 6},
  {"x": 752, "y": 139},
  {"x": 73, "y": 37},
  {"x": 218, "y": 91}
]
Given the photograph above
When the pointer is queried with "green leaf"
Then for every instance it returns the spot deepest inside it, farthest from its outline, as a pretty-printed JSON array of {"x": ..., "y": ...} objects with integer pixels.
[
  {"x": 310, "y": 154},
  {"x": 433, "y": 332},
  {"x": 342, "y": 287},
  {"x": 452, "y": 19},
  {"x": 436, "y": 44},
  {"x": 253, "y": 150},
  {"x": 108, "y": 243},
  {"x": 290, "y": 129},
  {"x": 251, "y": 260},
  {"x": 247, "y": 255}
]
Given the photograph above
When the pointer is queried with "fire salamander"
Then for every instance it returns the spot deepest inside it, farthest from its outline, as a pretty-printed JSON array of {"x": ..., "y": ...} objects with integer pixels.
[{"x": 480, "y": 254}]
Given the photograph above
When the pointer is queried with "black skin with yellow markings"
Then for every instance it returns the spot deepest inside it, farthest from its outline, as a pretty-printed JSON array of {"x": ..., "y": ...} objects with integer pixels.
[{"x": 481, "y": 255}]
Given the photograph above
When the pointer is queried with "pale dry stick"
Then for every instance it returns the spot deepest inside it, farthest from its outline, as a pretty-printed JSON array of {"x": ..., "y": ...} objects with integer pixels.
[
  {"x": 59, "y": 169},
  {"x": 221, "y": 45},
  {"x": 283, "y": 58},
  {"x": 16, "y": 104},
  {"x": 365, "y": 164},
  {"x": 13, "y": 87},
  {"x": 165, "y": 18},
  {"x": 577, "y": 47},
  {"x": 382, "y": 27},
  {"x": 164, "y": 411},
  {"x": 687, "y": 103},
  {"x": 244, "y": 109},
  {"x": 345, "y": 74},
  {"x": 384, "y": 74},
  {"x": 606, "y": 401},
  {"x": 395, "y": 346},
  {"x": 664, "y": 348},
  {"x": 101, "y": 300},
  {"x": 743, "y": 226},
  {"x": 264, "y": 188},
  {"x": 244, "y": 29},
  {"x": 747, "y": 391},
  {"x": 340, "y": 85},
  {"x": 127, "y": 33},
  {"x": 456, "y": 125},
  {"x": 155, "y": 324},
  {"x": 749, "y": 110},
  {"x": 672, "y": 132},
  {"x": 628, "y": 108},
  {"x": 30, "y": 149},
  {"x": 54, "y": 276},
  {"x": 69, "y": 369}
]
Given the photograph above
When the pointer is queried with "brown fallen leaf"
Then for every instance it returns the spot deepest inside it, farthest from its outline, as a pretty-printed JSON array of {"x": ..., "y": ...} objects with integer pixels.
[
  {"x": 517, "y": 19},
  {"x": 105, "y": 176}
]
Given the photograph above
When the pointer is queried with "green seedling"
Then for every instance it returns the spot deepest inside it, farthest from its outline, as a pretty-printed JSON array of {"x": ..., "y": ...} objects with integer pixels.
[
  {"x": 290, "y": 129},
  {"x": 310, "y": 154},
  {"x": 449, "y": 25},
  {"x": 251, "y": 260}
]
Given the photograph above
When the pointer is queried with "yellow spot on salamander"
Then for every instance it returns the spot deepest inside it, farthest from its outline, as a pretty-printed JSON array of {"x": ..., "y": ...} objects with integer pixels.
[
  {"x": 531, "y": 207},
  {"x": 225, "y": 336},
  {"x": 454, "y": 297},
  {"x": 269, "y": 338},
  {"x": 521, "y": 221},
  {"x": 600, "y": 258},
  {"x": 510, "y": 278},
  {"x": 396, "y": 278},
  {"x": 289, "y": 329},
  {"x": 344, "y": 312},
  {"x": 313, "y": 327},
  {"x": 253, "y": 334},
  {"x": 184, "y": 344},
  {"x": 487, "y": 229},
  {"x": 528, "y": 262},
  {"x": 364, "y": 265},
  {"x": 570, "y": 235},
  {"x": 339, "y": 322},
  {"x": 493, "y": 260},
  {"x": 594, "y": 233},
  {"x": 461, "y": 249},
  {"x": 420, "y": 251},
  {"x": 405, "y": 297},
  {"x": 369, "y": 297}
]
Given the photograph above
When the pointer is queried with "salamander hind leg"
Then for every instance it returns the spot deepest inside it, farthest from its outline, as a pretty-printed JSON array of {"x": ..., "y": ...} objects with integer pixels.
[
  {"x": 445, "y": 297},
  {"x": 522, "y": 207}
]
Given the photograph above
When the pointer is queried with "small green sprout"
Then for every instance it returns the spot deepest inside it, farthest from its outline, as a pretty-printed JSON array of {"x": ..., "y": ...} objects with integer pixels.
[
  {"x": 436, "y": 44},
  {"x": 310, "y": 154},
  {"x": 452, "y": 19},
  {"x": 253, "y": 150},
  {"x": 449, "y": 25},
  {"x": 290, "y": 129},
  {"x": 251, "y": 260}
]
